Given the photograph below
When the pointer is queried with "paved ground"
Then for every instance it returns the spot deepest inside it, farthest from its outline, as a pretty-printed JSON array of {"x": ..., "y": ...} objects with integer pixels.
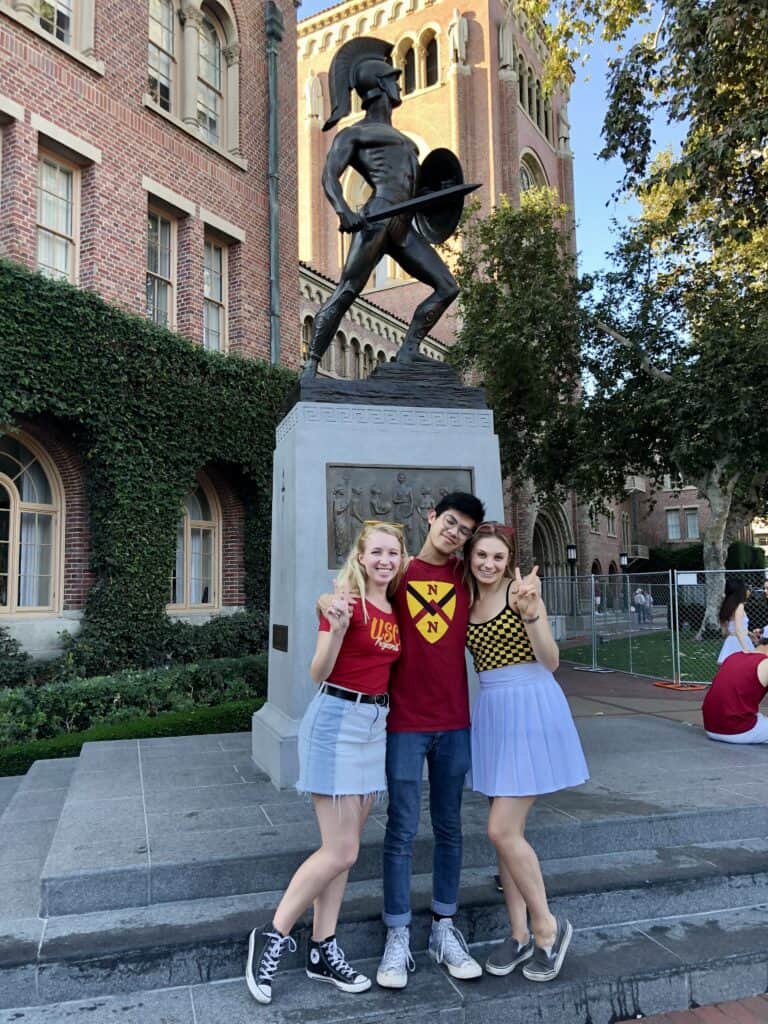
[
  {"x": 743, "y": 1011},
  {"x": 593, "y": 694}
]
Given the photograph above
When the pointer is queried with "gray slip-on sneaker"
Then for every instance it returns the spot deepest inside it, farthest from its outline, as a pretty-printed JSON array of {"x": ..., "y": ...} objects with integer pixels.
[{"x": 545, "y": 964}]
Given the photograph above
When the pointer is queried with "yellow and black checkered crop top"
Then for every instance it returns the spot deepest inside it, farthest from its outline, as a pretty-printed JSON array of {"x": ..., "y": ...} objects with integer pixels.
[{"x": 500, "y": 641}]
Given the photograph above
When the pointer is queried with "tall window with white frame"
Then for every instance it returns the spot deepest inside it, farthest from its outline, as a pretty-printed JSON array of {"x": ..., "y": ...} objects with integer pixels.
[
  {"x": 691, "y": 523},
  {"x": 160, "y": 62},
  {"x": 673, "y": 523},
  {"x": 28, "y": 529},
  {"x": 210, "y": 90},
  {"x": 56, "y": 17},
  {"x": 160, "y": 260},
  {"x": 57, "y": 202},
  {"x": 193, "y": 581},
  {"x": 215, "y": 301}
]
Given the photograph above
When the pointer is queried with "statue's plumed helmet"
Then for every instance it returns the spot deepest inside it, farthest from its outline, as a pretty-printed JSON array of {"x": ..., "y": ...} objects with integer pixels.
[{"x": 359, "y": 64}]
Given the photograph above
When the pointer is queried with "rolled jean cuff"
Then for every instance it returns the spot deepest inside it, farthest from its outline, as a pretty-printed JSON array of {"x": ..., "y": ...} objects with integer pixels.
[
  {"x": 396, "y": 920},
  {"x": 444, "y": 909}
]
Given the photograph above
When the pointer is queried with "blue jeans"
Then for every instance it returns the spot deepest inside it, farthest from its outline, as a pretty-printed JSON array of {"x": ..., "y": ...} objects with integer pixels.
[{"x": 448, "y": 761}]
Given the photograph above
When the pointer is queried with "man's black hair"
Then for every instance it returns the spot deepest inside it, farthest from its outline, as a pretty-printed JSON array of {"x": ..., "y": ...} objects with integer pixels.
[{"x": 462, "y": 502}]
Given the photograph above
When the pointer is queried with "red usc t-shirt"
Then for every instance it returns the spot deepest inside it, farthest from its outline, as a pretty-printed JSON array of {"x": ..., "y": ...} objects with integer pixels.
[
  {"x": 428, "y": 691},
  {"x": 367, "y": 651},
  {"x": 731, "y": 703}
]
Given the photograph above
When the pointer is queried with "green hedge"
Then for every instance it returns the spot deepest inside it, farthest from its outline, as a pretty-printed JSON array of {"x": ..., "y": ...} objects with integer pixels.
[
  {"x": 145, "y": 409},
  {"x": 43, "y": 712},
  {"x": 231, "y": 717}
]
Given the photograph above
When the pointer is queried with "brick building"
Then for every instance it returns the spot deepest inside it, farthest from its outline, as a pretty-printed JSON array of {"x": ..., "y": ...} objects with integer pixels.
[{"x": 135, "y": 162}]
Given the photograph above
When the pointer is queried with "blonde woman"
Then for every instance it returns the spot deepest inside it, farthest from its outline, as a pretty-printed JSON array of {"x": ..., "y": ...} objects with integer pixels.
[{"x": 342, "y": 747}]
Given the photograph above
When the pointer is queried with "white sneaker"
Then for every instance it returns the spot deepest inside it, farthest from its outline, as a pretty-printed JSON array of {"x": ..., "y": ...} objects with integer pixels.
[
  {"x": 448, "y": 946},
  {"x": 397, "y": 960}
]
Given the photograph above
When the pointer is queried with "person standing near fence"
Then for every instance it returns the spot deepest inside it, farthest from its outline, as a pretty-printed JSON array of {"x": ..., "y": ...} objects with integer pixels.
[
  {"x": 638, "y": 599},
  {"x": 734, "y": 623},
  {"x": 524, "y": 741}
]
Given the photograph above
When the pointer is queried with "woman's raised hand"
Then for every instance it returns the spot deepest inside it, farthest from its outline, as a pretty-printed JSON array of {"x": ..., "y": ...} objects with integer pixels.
[
  {"x": 339, "y": 611},
  {"x": 526, "y": 592}
]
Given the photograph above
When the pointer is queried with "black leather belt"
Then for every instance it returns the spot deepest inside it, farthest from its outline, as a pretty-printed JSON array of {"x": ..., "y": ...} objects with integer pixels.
[{"x": 382, "y": 699}]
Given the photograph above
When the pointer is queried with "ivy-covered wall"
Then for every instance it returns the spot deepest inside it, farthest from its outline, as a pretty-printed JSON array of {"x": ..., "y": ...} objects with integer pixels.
[{"x": 146, "y": 409}]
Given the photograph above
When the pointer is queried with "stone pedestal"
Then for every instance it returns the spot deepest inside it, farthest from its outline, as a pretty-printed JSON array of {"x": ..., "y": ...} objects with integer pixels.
[{"x": 315, "y": 442}]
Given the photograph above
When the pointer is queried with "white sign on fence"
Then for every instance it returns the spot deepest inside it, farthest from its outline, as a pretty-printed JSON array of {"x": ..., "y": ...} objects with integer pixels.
[{"x": 687, "y": 579}]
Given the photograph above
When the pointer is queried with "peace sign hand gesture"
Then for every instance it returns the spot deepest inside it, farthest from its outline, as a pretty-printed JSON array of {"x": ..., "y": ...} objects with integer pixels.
[{"x": 526, "y": 593}]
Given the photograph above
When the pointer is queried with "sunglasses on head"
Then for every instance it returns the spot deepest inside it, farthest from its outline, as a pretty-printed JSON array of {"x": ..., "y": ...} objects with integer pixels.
[{"x": 494, "y": 529}]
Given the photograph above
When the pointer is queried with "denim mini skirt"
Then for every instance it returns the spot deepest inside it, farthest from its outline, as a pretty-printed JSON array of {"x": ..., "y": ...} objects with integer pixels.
[{"x": 342, "y": 748}]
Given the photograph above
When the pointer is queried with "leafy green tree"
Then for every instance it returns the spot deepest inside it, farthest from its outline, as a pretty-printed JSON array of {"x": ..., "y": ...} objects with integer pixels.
[
  {"x": 701, "y": 64},
  {"x": 520, "y": 328}
]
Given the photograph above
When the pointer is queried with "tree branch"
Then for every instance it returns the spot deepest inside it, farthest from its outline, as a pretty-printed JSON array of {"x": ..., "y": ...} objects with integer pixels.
[{"x": 645, "y": 362}]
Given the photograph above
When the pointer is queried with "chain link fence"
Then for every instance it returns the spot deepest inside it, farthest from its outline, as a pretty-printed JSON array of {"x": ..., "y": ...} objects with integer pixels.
[
  {"x": 661, "y": 625},
  {"x": 616, "y": 622}
]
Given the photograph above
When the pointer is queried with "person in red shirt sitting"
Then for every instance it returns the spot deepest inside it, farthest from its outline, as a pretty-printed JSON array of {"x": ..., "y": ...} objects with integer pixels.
[
  {"x": 731, "y": 707},
  {"x": 342, "y": 743}
]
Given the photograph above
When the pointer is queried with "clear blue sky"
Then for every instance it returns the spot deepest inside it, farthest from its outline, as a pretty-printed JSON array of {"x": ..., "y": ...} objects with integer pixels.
[{"x": 595, "y": 180}]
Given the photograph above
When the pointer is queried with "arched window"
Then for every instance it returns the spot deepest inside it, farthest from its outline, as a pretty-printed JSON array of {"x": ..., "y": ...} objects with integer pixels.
[
  {"x": 210, "y": 82},
  {"x": 161, "y": 53},
  {"x": 530, "y": 105},
  {"x": 409, "y": 71},
  {"x": 381, "y": 357},
  {"x": 306, "y": 338},
  {"x": 30, "y": 513},
  {"x": 356, "y": 368},
  {"x": 195, "y": 570},
  {"x": 203, "y": 97},
  {"x": 531, "y": 173},
  {"x": 340, "y": 344},
  {"x": 431, "y": 66},
  {"x": 521, "y": 81},
  {"x": 368, "y": 360},
  {"x": 539, "y": 106}
]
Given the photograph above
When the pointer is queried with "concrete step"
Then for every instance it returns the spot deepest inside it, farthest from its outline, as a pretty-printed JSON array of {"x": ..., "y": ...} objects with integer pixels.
[
  {"x": 97, "y": 864},
  {"x": 611, "y": 973},
  {"x": 28, "y": 823},
  {"x": 182, "y": 943}
]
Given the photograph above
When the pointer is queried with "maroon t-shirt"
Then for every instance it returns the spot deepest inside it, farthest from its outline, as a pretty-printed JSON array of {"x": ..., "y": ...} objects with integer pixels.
[
  {"x": 428, "y": 690},
  {"x": 367, "y": 651},
  {"x": 730, "y": 706}
]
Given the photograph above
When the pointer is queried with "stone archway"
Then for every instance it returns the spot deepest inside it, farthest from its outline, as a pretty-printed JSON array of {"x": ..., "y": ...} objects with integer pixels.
[{"x": 550, "y": 539}]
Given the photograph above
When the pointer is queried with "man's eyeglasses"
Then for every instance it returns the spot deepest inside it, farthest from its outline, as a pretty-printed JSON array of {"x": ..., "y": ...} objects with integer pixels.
[{"x": 453, "y": 524}]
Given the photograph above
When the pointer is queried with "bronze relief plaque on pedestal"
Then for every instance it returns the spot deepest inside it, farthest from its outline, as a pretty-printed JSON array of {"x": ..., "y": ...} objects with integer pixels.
[{"x": 390, "y": 493}]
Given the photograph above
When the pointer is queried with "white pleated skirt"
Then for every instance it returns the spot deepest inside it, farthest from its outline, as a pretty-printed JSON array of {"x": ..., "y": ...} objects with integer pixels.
[{"x": 524, "y": 741}]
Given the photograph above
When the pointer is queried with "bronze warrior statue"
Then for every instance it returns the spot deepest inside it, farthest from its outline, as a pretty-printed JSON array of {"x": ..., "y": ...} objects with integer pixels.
[{"x": 388, "y": 161}]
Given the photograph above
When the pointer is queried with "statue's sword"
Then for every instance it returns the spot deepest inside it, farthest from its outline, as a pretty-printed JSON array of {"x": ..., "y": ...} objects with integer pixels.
[{"x": 423, "y": 202}]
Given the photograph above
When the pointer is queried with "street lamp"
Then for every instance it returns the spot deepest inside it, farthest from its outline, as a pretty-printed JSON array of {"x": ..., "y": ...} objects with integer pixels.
[
  {"x": 624, "y": 563},
  {"x": 570, "y": 554}
]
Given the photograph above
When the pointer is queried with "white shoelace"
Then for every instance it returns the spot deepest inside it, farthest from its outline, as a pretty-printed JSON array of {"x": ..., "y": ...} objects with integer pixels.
[
  {"x": 337, "y": 960},
  {"x": 452, "y": 942},
  {"x": 397, "y": 952},
  {"x": 270, "y": 958}
]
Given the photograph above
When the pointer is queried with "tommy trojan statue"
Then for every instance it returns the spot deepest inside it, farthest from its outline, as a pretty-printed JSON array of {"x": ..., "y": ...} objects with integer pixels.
[{"x": 410, "y": 207}]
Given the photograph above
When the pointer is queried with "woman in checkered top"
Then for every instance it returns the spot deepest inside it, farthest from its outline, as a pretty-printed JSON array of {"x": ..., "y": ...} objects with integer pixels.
[{"x": 524, "y": 742}]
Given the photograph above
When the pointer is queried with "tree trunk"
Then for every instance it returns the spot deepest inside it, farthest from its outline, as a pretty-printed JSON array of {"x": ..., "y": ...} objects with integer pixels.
[{"x": 719, "y": 496}]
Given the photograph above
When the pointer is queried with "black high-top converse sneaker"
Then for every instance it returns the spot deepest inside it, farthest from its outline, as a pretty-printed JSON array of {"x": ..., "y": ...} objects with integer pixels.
[
  {"x": 326, "y": 962},
  {"x": 261, "y": 966}
]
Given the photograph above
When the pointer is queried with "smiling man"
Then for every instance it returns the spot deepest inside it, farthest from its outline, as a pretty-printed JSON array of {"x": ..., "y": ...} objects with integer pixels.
[{"x": 429, "y": 719}]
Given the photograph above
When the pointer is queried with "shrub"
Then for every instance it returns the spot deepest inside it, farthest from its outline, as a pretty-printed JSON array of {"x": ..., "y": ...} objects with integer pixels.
[
  {"x": 15, "y": 665},
  {"x": 30, "y": 713}
]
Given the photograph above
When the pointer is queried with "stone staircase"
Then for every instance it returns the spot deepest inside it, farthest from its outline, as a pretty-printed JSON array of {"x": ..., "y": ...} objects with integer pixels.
[{"x": 130, "y": 877}]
